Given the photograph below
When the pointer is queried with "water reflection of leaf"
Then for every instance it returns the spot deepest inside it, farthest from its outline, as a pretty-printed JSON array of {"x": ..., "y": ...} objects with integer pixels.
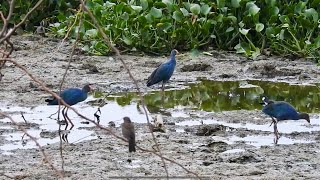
[{"x": 224, "y": 96}]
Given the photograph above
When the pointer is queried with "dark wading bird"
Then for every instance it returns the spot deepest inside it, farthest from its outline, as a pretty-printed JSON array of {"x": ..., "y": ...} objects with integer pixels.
[
  {"x": 164, "y": 72},
  {"x": 129, "y": 133},
  {"x": 279, "y": 111},
  {"x": 71, "y": 96}
]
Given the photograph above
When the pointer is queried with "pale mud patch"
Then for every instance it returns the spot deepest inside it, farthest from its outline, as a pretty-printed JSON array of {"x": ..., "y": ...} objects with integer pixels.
[{"x": 227, "y": 145}]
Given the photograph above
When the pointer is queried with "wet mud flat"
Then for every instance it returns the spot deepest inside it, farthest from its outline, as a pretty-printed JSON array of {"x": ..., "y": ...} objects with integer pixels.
[{"x": 215, "y": 143}]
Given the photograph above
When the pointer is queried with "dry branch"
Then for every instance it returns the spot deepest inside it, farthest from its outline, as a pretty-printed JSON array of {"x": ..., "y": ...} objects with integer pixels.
[
  {"x": 46, "y": 158},
  {"x": 114, "y": 49},
  {"x": 88, "y": 119}
]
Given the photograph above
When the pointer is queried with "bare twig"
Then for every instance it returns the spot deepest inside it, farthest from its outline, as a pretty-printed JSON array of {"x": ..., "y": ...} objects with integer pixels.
[
  {"x": 8, "y": 35},
  {"x": 23, "y": 118},
  {"x": 64, "y": 77},
  {"x": 114, "y": 49},
  {"x": 84, "y": 117},
  {"x": 46, "y": 158},
  {"x": 6, "y": 20}
]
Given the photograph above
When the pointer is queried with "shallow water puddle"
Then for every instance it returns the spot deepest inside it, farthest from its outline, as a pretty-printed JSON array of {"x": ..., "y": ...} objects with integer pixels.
[
  {"x": 40, "y": 115},
  {"x": 283, "y": 127},
  {"x": 233, "y": 151},
  {"x": 206, "y": 96},
  {"x": 259, "y": 141},
  {"x": 228, "y": 95}
]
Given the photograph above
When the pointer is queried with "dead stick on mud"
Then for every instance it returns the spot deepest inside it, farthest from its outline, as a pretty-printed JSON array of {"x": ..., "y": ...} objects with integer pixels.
[
  {"x": 41, "y": 84},
  {"x": 23, "y": 118},
  {"x": 46, "y": 158},
  {"x": 64, "y": 77},
  {"x": 114, "y": 49}
]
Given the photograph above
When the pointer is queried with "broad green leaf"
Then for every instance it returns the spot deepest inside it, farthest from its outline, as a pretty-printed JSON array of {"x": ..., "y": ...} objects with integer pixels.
[
  {"x": 312, "y": 13},
  {"x": 187, "y": 5},
  {"x": 299, "y": 7},
  {"x": 242, "y": 48},
  {"x": 164, "y": 26},
  {"x": 259, "y": 27},
  {"x": 168, "y": 2},
  {"x": 149, "y": 17},
  {"x": 159, "y": 5},
  {"x": 194, "y": 52},
  {"x": 126, "y": 40},
  {"x": 317, "y": 42},
  {"x": 233, "y": 19},
  {"x": 61, "y": 17},
  {"x": 270, "y": 32},
  {"x": 284, "y": 19},
  {"x": 136, "y": 8},
  {"x": 177, "y": 15},
  {"x": 274, "y": 10},
  {"x": 125, "y": 16},
  {"x": 241, "y": 24},
  {"x": 205, "y": 9},
  {"x": 109, "y": 4},
  {"x": 119, "y": 8},
  {"x": 281, "y": 34},
  {"x": 230, "y": 29},
  {"x": 195, "y": 9},
  {"x": 244, "y": 31},
  {"x": 221, "y": 3},
  {"x": 157, "y": 13},
  {"x": 184, "y": 11},
  {"x": 61, "y": 32},
  {"x": 256, "y": 53},
  {"x": 271, "y": 2},
  {"x": 253, "y": 8},
  {"x": 235, "y": 3},
  {"x": 144, "y": 4}
]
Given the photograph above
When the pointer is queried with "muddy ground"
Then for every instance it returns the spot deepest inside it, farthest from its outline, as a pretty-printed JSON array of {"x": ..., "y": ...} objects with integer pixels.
[{"x": 205, "y": 154}]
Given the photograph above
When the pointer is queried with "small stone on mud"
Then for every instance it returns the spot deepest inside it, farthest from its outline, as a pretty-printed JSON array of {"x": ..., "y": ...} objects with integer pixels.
[
  {"x": 84, "y": 122},
  {"x": 111, "y": 124},
  {"x": 195, "y": 67},
  {"x": 92, "y": 68},
  {"x": 304, "y": 76},
  {"x": 208, "y": 130},
  {"x": 244, "y": 158},
  {"x": 206, "y": 163},
  {"x": 217, "y": 146},
  {"x": 227, "y": 75}
]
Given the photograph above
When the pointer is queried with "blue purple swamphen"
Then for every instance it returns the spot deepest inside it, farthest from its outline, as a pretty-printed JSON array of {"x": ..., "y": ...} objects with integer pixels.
[
  {"x": 164, "y": 72},
  {"x": 128, "y": 132},
  {"x": 71, "y": 96},
  {"x": 279, "y": 111}
]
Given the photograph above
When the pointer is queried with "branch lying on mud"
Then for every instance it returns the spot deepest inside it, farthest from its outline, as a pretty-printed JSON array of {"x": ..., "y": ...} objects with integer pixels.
[
  {"x": 86, "y": 118},
  {"x": 114, "y": 49},
  {"x": 44, "y": 154}
]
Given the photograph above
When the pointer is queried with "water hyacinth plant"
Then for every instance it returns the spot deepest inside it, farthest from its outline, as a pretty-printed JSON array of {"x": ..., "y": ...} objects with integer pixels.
[{"x": 248, "y": 27}]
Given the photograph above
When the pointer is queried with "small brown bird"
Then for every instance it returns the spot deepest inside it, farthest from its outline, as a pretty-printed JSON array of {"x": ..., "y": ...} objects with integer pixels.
[{"x": 129, "y": 133}]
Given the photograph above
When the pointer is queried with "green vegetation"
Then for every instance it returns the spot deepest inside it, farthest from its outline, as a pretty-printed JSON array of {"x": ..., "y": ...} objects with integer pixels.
[
  {"x": 227, "y": 95},
  {"x": 248, "y": 27},
  {"x": 47, "y": 11}
]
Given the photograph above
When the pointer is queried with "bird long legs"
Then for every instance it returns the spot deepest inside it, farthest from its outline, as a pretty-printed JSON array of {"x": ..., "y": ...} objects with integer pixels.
[
  {"x": 66, "y": 117},
  {"x": 275, "y": 129}
]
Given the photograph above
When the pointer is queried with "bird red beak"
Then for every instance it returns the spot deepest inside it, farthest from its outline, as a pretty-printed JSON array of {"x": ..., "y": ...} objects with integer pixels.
[{"x": 91, "y": 87}]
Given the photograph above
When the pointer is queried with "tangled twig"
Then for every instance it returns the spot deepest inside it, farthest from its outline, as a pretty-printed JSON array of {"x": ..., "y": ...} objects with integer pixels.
[
  {"x": 46, "y": 158},
  {"x": 117, "y": 52}
]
